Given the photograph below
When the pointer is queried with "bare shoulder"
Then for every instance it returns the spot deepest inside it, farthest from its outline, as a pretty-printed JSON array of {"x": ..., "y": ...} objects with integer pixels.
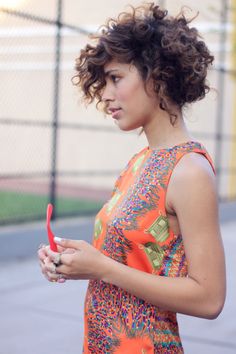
[
  {"x": 193, "y": 177},
  {"x": 193, "y": 165}
]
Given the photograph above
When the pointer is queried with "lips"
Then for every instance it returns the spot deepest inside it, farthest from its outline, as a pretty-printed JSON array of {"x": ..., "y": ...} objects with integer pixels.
[{"x": 114, "y": 111}]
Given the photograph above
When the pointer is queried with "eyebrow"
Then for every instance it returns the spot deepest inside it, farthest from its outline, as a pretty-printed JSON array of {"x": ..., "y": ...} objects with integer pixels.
[{"x": 107, "y": 73}]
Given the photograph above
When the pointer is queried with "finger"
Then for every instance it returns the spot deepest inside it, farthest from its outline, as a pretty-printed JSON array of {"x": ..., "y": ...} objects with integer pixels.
[
  {"x": 42, "y": 265},
  {"x": 73, "y": 244},
  {"x": 51, "y": 254},
  {"x": 61, "y": 280},
  {"x": 43, "y": 268},
  {"x": 55, "y": 277},
  {"x": 42, "y": 259},
  {"x": 60, "y": 249},
  {"x": 42, "y": 245},
  {"x": 55, "y": 257},
  {"x": 63, "y": 270},
  {"x": 49, "y": 271},
  {"x": 69, "y": 251},
  {"x": 50, "y": 267},
  {"x": 51, "y": 277},
  {"x": 41, "y": 253}
]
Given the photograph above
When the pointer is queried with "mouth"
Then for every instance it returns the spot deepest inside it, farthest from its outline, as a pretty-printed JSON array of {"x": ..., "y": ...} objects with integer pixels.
[{"x": 114, "y": 112}]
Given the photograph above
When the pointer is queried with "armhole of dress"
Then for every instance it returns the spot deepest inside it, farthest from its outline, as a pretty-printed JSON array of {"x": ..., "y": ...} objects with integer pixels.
[
  {"x": 198, "y": 151},
  {"x": 207, "y": 156}
]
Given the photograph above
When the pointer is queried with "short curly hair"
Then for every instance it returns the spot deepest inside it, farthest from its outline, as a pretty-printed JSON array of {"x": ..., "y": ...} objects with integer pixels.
[{"x": 163, "y": 48}]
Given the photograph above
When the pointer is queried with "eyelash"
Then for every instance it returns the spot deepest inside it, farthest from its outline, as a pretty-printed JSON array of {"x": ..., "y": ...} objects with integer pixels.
[{"x": 114, "y": 78}]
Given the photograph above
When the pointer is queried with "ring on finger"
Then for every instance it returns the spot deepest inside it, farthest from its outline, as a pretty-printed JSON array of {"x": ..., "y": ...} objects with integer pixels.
[
  {"x": 54, "y": 268},
  {"x": 57, "y": 260},
  {"x": 61, "y": 276}
]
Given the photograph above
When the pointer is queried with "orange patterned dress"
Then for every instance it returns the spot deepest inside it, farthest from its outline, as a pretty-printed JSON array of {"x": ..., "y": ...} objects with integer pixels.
[{"x": 132, "y": 228}]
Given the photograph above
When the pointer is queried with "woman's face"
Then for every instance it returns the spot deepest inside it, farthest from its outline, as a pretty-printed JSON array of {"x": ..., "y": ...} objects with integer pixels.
[{"x": 126, "y": 98}]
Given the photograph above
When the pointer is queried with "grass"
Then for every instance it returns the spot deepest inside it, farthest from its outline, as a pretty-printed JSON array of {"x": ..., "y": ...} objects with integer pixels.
[{"x": 25, "y": 206}]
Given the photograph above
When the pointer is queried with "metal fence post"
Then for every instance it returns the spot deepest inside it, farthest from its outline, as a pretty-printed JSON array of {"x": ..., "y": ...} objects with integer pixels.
[
  {"x": 56, "y": 109},
  {"x": 221, "y": 90}
]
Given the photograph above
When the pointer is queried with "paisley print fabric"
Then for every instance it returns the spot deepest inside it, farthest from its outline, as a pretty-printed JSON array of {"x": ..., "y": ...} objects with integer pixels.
[{"x": 132, "y": 228}]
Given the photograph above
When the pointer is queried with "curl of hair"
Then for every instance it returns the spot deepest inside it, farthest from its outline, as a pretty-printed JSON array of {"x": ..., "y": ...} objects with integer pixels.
[{"x": 163, "y": 48}]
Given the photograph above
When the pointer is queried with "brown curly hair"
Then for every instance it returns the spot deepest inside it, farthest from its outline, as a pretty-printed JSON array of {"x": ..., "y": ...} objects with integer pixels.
[{"x": 163, "y": 48}]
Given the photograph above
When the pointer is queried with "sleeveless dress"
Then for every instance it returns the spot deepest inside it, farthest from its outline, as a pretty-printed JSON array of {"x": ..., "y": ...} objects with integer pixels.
[{"x": 132, "y": 228}]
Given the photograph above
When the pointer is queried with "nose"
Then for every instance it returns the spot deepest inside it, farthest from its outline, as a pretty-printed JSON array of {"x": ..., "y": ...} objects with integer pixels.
[{"x": 107, "y": 94}]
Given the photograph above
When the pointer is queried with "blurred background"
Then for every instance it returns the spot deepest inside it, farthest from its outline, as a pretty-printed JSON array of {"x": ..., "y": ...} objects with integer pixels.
[{"x": 53, "y": 148}]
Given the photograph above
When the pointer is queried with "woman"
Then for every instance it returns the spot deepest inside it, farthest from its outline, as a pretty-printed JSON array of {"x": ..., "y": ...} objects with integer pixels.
[{"x": 157, "y": 246}]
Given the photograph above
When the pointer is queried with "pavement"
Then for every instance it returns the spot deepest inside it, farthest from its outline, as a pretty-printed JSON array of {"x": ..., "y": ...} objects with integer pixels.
[{"x": 38, "y": 317}]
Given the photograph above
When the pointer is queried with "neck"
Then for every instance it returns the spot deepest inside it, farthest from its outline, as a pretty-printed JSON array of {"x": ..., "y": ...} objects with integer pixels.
[{"x": 161, "y": 133}]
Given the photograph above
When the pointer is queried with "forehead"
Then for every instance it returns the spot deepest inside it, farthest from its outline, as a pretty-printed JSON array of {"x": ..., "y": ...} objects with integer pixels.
[{"x": 115, "y": 65}]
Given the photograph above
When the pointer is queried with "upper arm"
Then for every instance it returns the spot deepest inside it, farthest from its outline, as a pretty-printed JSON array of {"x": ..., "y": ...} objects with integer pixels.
[{"x": 192, "y": 195}]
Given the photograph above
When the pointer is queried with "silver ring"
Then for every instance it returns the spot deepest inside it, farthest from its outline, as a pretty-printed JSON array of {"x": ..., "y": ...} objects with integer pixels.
[
  {"x": 57, "y": 261},
  {"x": 54, "y": 270},
  {"x": 61, "y": 276}
]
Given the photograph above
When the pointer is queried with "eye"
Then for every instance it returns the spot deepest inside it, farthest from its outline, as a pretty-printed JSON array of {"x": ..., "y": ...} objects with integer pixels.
[{"x": 114, "y": 78}]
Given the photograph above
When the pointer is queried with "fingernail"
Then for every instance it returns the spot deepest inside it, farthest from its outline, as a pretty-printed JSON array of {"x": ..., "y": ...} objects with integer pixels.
[
  {"x": 57, "y": 239},
  {"x": 61, "y": 280}
]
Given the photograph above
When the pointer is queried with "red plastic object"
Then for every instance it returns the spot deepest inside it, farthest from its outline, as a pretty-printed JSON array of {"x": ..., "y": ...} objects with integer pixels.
[{"x": 52, "y": 244}]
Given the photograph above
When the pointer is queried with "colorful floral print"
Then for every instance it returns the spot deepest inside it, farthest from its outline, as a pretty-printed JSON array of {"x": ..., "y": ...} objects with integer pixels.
[{"x": 132, "y": 228}]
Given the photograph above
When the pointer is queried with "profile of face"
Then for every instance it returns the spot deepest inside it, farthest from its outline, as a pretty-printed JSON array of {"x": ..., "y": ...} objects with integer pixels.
[{"x": 127, "y": 100}]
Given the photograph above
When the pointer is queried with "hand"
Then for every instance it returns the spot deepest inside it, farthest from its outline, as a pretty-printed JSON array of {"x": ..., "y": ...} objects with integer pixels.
[
  {"x": 79, "y": 260},
  {"x": 48, "y": 268}
]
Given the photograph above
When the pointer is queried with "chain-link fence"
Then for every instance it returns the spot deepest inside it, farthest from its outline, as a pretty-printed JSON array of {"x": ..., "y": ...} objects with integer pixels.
[{"x": 52, "y": 148}]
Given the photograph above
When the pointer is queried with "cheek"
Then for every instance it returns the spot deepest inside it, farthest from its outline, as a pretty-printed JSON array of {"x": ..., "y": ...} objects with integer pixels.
[
  {"x": 129, "y": 91},
  {"x": 124, "y": 96},
  {"x": 134, "y": 100},
  {"x": 140, "y": 104}
]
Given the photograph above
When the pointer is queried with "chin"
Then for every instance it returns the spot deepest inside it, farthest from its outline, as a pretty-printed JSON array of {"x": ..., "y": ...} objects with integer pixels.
[{"x": 127, "y": 128}]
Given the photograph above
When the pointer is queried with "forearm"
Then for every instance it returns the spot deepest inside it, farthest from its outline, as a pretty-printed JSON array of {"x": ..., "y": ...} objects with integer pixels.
[{"x": 183, "y": 295}]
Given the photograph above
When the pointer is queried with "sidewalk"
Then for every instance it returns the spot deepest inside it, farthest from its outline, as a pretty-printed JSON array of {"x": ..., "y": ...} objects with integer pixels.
[{"x": 38, "y": 317}]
